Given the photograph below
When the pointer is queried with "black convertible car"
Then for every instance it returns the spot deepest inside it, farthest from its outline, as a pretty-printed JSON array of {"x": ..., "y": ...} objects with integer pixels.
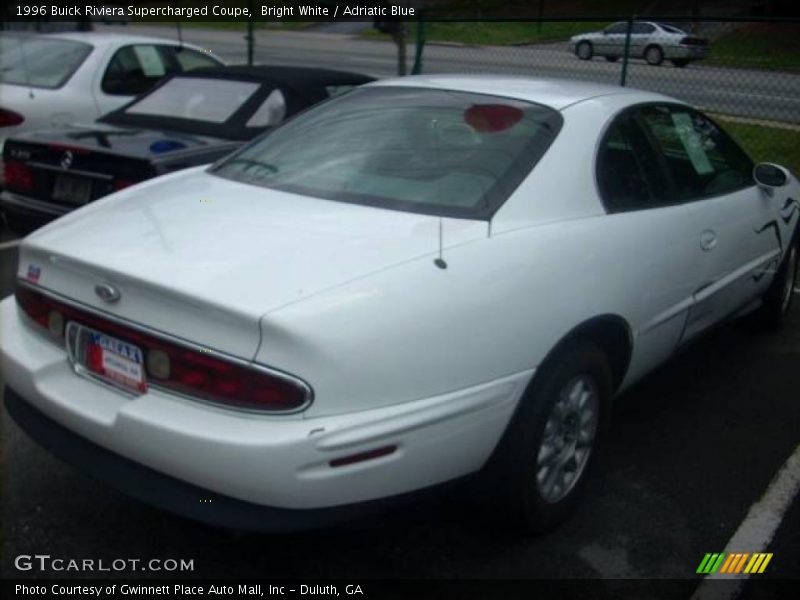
[{"x": 189, "y": 119}]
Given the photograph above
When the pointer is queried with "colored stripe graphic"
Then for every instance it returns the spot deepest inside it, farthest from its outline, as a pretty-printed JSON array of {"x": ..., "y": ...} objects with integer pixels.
[
  {"x": 758, "y": 563},
  {"x": 711, "y": 563},
  {"x": 734, "y": 563}
]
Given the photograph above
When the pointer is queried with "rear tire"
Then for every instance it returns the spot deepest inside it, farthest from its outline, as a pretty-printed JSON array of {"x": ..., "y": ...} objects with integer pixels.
[
  {"x": 539, "y": 470},
  {"x": 679, "y": 62},
  {"x": 584, "y": 50},
  {"x": 778, "y": 299},
  {"x": 612, "y": 58},
  {"x": 654, "y": 55}
]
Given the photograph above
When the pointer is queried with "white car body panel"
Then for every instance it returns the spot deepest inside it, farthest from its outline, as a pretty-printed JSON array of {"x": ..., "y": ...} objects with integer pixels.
[
  {"x": 398, "y": 350},
  {"x": 258, "y": 271}
]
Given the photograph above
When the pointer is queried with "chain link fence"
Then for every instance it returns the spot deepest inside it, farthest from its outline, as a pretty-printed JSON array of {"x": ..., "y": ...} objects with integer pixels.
[{"x": 744, "y": 73}]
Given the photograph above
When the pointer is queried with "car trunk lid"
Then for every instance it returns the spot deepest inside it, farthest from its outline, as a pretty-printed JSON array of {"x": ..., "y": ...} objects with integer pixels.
[
  {"x": 77, "y": 165},
  {"x": 203, "y": 258}
]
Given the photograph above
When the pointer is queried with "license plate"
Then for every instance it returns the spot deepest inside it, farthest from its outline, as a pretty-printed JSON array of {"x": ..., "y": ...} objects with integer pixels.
[
  {"x": 108, "y": 358},
  {"x": 76, "y": 190}
]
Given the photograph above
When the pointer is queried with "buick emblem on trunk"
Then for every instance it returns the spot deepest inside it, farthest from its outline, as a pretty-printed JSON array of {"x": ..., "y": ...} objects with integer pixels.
[
  {"x": 107, "y": 292},
  {"x": 66, "y": 160}
]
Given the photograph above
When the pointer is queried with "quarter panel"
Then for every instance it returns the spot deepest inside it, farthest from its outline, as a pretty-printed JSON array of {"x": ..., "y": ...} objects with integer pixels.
[{"x": 498, "y": 308}]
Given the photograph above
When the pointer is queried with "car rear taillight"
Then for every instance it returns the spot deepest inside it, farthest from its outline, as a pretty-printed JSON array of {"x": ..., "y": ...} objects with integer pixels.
[
  {"x": 194, "y": 372},
  {"x": 18, "y": 176},
  {"x": 9, "y": 118}
]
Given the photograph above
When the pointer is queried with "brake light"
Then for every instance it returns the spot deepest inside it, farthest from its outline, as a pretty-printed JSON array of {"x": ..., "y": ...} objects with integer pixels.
[
  {"x": 36, "y": 306},
  {"x": 193, "y": 372},
  {"x": 9, "y": 118},
  {"x": 18, "y": 176}
]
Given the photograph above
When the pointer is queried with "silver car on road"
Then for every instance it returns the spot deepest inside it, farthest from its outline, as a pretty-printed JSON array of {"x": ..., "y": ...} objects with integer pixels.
[{"x": 651, "y": 41}]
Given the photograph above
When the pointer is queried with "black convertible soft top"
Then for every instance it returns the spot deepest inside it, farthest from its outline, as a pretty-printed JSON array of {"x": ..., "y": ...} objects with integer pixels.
[{"x": 301, "y": 87}]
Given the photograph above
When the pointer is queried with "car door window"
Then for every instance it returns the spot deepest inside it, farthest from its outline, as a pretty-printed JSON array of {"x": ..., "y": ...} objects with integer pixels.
[
  {"x": 701, "y": 159},
  {"x": 617, "y": 28},
  {"x": 628, "y": 174},
  {"x": 642, "y": 28},
  {"x": 135, "y": 69}
]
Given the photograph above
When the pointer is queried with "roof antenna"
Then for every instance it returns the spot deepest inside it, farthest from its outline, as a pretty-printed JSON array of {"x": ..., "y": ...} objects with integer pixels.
[
  {"x": 180, "y": 32},
  {"x": 439, "y": 262}
]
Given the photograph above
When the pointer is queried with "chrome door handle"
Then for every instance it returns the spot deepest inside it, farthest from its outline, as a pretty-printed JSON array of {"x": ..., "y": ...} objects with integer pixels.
[{"x": 708, "y": 240}]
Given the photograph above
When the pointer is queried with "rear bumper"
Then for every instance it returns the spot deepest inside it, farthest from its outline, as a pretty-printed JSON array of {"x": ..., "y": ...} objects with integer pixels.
[
  {"x": 266, "y": 461},
  {"x": 686, "y": 52},
  {"x": 177, "y": 496}
]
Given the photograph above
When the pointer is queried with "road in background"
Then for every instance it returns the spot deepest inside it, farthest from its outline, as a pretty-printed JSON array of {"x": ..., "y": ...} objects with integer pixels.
[{"x": 743, "y": 92}]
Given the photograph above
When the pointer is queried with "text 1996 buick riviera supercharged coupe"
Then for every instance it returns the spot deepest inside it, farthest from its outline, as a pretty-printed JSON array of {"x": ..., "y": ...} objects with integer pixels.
[{"x": 418, "y": 281}]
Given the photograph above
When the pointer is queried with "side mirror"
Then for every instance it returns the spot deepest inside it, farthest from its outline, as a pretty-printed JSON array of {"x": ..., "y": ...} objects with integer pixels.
[{"x": 770, "y": 176}]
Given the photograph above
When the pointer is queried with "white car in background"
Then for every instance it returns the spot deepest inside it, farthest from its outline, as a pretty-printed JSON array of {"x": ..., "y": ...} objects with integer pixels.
[
  {"x": 424, "y": 279},
  {"x": 654, "y": 42},
  {"x": 52, "y": 80}
]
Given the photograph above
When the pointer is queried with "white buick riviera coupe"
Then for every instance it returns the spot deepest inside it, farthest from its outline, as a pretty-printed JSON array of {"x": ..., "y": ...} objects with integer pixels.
[{"x": 421, "y": 280}]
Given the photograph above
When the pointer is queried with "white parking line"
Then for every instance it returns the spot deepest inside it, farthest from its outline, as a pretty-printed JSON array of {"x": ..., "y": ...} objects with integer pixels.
[
  {"x": 11, "y": 244},
  {"x": 757, "y": 530}
]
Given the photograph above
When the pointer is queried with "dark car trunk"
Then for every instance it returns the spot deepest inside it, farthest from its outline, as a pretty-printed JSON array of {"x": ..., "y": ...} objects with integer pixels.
[{"x": 73, "y": 167}]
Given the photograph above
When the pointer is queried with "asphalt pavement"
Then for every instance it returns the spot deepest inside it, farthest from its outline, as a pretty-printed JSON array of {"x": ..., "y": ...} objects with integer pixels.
[{"x": 691, "y": 449}]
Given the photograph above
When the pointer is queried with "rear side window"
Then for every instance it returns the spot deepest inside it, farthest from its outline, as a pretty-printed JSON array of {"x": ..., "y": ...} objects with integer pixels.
[
  {"x": 135, "y": 69},
  {"x": 628, "y": 173},
  {"x": 701, "y": 159},
  {"x": 271, "y": 112},
  {"x": 189, "y": 59}
]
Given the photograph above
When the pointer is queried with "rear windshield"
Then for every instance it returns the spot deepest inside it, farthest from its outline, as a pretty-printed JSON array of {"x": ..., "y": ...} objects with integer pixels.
[
  {"x": 413, "y": 149},
  {"x": 39, "y": 61},
  {"x": 200, "y": 99}
]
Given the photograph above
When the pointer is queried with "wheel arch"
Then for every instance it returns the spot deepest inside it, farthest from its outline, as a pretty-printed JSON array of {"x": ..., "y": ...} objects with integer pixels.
[{"x": 611, "y": 333}]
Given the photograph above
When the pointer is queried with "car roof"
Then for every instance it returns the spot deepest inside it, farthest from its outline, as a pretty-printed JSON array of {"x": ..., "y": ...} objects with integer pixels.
[
  {"x": 296, "y": 77},
  {"x": 111, "y": 39},
  {"x": 555, "y": 93}
]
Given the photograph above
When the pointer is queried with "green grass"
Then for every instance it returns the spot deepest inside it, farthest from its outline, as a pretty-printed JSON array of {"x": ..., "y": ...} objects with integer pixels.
[
  {"x": 770, "y": 144},
  {"x": 759, "y": 45},
  {"x": 499, "y": 33},
  {"x": 532, "y": 8}
]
